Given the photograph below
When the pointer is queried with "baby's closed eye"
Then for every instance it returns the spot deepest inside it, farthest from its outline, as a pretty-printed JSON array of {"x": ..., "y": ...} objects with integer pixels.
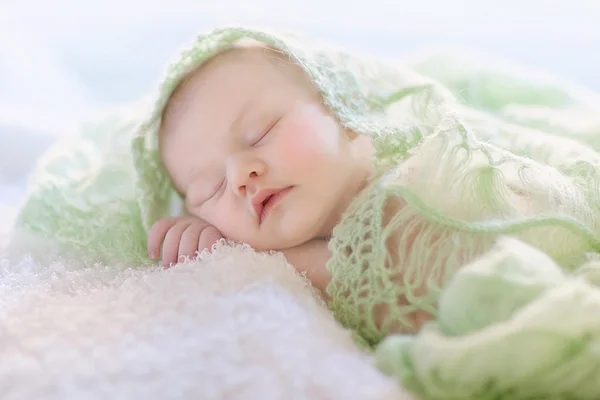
[
  {"x": 263, "y": 133},
  {"x": 199, "y": 194}
]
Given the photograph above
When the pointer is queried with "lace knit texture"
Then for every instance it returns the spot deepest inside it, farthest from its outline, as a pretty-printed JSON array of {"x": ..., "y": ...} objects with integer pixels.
[{"x": 465, "y": 155}]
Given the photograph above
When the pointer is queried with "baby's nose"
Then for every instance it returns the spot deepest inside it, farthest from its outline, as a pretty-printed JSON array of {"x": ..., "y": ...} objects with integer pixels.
[
  {"x": 246, "y": 187},
  {"x": 243, "y": 173}
]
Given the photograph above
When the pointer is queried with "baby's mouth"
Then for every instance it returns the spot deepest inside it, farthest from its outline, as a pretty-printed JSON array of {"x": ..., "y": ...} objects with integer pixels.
[
  {"x": 264, "y": 201},
  {"x": 265, "y": 206}
]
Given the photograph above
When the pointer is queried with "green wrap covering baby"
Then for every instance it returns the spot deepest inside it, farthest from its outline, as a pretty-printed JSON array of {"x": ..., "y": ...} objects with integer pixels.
[{"x": 474, "y": 153}]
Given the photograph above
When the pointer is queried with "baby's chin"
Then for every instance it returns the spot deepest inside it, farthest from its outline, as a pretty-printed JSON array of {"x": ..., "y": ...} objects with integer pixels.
[
  {"x": 281, "y": 240},
  {"x": 276, "y": 244},
  {"x": 287, "y": 230}
]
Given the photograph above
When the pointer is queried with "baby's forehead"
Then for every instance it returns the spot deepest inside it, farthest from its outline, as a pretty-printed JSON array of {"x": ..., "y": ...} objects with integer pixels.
[{"x": 238, "y": 57}]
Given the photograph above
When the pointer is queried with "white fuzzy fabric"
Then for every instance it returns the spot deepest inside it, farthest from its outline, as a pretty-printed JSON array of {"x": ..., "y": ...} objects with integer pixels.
[{"x": 232, "y": 325}]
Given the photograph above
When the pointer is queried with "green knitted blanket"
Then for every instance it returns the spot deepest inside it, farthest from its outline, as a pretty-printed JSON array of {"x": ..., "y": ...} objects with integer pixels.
[{"x": 497, "y": 239}]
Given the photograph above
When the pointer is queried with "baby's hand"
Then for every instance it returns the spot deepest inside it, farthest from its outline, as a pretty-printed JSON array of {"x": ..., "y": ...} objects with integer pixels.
[{"x": 180, "y": 236}]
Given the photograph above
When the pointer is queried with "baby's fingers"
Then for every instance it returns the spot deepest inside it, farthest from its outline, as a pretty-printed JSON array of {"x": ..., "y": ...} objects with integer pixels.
[
  {"x": 157, "y": 235},
  {"x": 209, "y": 236},
  {"x": 188, "y": 245},
  {"x": 170, "y": 248}
]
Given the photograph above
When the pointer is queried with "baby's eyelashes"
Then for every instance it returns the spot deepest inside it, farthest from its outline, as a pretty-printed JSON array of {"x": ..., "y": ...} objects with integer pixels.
[
  {"x": 199, "y": 194},
  {"x": 265, "y": 132},
  {"x": 220, "y": 188},
  {"x": 193, "y": 201}
]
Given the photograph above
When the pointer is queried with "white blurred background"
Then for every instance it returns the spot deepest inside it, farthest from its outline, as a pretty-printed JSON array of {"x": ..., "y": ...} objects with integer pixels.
[{"x": 61, "y": 58}]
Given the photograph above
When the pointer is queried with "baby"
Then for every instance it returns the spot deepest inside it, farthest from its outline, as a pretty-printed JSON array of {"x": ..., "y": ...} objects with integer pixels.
[
  {"x": 250, "y": 146},
  {"x": 257, "y": 158}
]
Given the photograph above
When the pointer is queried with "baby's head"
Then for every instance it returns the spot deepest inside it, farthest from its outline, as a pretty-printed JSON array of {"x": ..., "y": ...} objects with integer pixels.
[{"x": 250, "y": 146}]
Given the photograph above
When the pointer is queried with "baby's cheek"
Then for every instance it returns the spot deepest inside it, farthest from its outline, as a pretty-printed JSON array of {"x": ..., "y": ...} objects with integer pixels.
[
  {"x": 306, "y": 141},
  {"x": 297, "y": 150}
]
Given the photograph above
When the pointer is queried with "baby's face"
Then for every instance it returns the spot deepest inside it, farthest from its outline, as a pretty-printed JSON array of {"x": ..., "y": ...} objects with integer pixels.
[{"x": 253, "y": 151}]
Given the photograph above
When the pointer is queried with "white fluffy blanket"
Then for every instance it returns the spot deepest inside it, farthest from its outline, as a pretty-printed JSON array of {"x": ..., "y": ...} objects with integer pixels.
[{"x": 232, "y": 325}]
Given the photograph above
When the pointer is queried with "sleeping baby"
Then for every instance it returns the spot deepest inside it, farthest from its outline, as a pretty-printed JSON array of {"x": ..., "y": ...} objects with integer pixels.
[{"x": 257, "y": 157}]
